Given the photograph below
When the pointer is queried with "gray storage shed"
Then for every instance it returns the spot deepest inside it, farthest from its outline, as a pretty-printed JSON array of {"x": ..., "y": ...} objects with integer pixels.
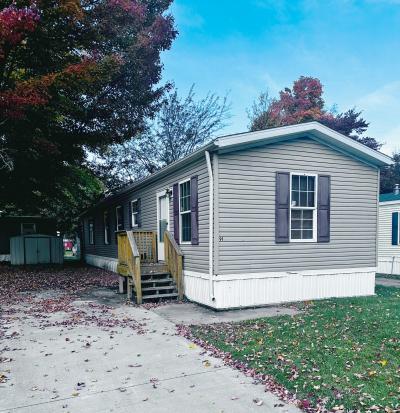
[{"x": 36, "y": 249}]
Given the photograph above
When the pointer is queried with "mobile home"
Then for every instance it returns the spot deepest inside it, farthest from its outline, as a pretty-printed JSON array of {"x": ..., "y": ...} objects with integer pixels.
[{"x": 257, "y": 218}]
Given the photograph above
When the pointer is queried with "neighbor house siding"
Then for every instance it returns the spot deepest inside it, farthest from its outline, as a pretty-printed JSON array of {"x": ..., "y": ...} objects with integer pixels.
[
  {"x": 195, "y": 256},
  {"x": 246, "y": 216},
  {"x": 388, "y": 254}
]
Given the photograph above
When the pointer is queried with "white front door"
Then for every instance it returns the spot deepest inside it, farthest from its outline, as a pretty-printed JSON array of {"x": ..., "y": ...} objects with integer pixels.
[{"x": 162, "y": 221}]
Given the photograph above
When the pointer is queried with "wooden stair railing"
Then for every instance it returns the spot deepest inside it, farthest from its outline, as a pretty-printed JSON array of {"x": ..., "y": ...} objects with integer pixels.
[
  {"x": 146, "y": 242},
  {"x": 129, "y": 263},
  {"x": 174, "y": 261}
]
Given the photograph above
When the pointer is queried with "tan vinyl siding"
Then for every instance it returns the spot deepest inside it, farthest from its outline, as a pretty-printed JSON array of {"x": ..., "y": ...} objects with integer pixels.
[
  {"x": 246, "y": 217},
  {"x": 195, "y": 256}
]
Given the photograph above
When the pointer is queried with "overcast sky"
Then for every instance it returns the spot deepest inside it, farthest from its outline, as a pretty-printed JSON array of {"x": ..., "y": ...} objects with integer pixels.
[{"x": 246, "y": 46}]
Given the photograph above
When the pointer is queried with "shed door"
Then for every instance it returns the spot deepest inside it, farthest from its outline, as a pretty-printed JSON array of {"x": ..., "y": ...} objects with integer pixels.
[
  {"x": 30, "y": 250},
  {"x": 37, "y": 250},
  {"x": 43, "y": 250}
]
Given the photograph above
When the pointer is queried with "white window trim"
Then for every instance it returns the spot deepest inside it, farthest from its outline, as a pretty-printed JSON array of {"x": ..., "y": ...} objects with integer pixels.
[
  {"x": 314, "y": 209},
  {"x": 134, "y": 214},
  {"x": 91, "y": 233},
  {"x": 105, "y": 213},
  {"x": 180, "y": 213},
  {"x": 116, "y": 218}
]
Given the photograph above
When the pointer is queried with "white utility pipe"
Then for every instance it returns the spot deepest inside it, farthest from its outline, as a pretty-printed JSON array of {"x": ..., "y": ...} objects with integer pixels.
[{"x": 211, "y": 226}]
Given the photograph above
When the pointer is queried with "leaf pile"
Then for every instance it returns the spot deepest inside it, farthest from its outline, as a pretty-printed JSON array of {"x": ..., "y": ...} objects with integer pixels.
[
  {"x": 40, "y": 291},
  {"x": 339, "y": 355}
]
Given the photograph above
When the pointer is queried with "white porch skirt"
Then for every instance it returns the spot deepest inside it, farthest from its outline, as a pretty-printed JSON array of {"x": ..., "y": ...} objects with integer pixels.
[
  {"x": 389, "y": 265},
  {"x": 107, "y": 263},
  {"x": 258, "y": 289}
]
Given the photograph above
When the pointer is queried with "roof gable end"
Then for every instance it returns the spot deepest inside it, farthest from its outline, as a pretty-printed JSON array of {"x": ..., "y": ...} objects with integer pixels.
[{"x": 313, "y": 130}]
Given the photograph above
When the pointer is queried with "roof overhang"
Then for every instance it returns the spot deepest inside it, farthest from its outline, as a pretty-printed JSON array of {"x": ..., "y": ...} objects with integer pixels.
[
  {"x": 312, "y": 130},
  {"x": 239, "y": 141}
]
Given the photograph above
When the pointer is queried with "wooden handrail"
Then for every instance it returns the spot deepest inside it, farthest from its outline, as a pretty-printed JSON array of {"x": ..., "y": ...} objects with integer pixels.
[
  {"x": 174, "y": 261},
  {"x": 129, "y": 257}
]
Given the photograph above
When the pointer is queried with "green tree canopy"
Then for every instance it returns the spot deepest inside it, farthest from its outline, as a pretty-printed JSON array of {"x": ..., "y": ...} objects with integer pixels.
[{"x": 304, "y": 102}]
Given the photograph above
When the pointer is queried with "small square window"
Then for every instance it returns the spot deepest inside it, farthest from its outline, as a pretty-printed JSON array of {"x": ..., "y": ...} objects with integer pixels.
[{"x": 28, "y": 228}]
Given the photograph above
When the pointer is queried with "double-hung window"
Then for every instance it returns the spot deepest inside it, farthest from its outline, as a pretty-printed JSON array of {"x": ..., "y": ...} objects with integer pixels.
[
  {"x": 303, "y": 208},
  {"x": 119, "y": 218},
  {"x": 106, "y": 219},
  {"x": 134, "y": 213},
  {"x": 185, "y": 212},
  {"x": 91, "y": 231}
]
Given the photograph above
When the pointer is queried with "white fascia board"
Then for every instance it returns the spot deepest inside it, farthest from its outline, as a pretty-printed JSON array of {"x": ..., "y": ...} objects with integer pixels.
[{"x": 312, "y": 129}]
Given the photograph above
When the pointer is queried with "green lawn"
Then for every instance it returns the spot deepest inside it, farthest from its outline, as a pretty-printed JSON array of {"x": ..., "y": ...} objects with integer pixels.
[{"x": 346, "y": 351}]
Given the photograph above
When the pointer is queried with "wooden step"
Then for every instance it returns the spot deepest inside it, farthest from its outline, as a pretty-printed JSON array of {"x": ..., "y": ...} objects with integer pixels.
[
  {"x": 169, "y": 295},
  {"x": 157, "y": 274},
  {"x": 158, "y": 280},
  {"x": 147, "y": 269},
  {"x": 165, "y": 287}
]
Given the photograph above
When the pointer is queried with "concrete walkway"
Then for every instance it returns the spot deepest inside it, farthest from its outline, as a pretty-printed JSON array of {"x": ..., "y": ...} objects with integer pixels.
[
  {"x": 387, "y": 282},
  {"x": 61, "y": 365},
  {"x": 189, "y": 313}
]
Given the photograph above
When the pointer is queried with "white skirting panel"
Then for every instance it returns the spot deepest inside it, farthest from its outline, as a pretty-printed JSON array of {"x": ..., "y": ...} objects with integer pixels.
[
  {"x": 5, "y": 257},
  {"x": 197, "y": 287},
  {"x": 107, "y": 263},
  {"x": 248, "y": 290},
  {"x": 389, "y": 265}
]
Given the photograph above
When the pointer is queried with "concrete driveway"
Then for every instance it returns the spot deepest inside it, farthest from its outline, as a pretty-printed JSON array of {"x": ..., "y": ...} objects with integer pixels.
[{"x": 100, "y": 355}]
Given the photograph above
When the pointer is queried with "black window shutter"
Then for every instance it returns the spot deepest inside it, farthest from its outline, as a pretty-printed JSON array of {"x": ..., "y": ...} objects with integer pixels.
[
  {"x": 395, "y": 228},
  {"x": 194, "y": 208},
  {"x": 176, "y": 211},
  {"x": 139, "y": 213},
  {"x": 324, "y": 208},
  {"x": 282, "y": 197},
  {"x": 130, "y": 214}
]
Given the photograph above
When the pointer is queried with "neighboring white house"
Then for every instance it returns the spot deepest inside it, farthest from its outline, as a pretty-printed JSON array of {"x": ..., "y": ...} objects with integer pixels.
[
  {"x": 283, "y": 214},
  {"x": 389, "y": 239}
]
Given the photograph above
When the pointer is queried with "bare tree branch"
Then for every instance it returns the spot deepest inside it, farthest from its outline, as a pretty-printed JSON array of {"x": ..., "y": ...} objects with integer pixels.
[{"x": 181, "y": 126}]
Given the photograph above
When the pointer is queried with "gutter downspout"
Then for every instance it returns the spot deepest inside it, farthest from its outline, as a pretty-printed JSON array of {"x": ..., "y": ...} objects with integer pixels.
[{"x": 211, "y": 226}]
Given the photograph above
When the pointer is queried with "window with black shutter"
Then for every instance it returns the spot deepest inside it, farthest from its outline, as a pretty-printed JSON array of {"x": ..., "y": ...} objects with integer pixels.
[
  {"x": 302, "y": 207},
  {"x": 186, "y": 215},
  {"x": 185, "y": 212}
]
